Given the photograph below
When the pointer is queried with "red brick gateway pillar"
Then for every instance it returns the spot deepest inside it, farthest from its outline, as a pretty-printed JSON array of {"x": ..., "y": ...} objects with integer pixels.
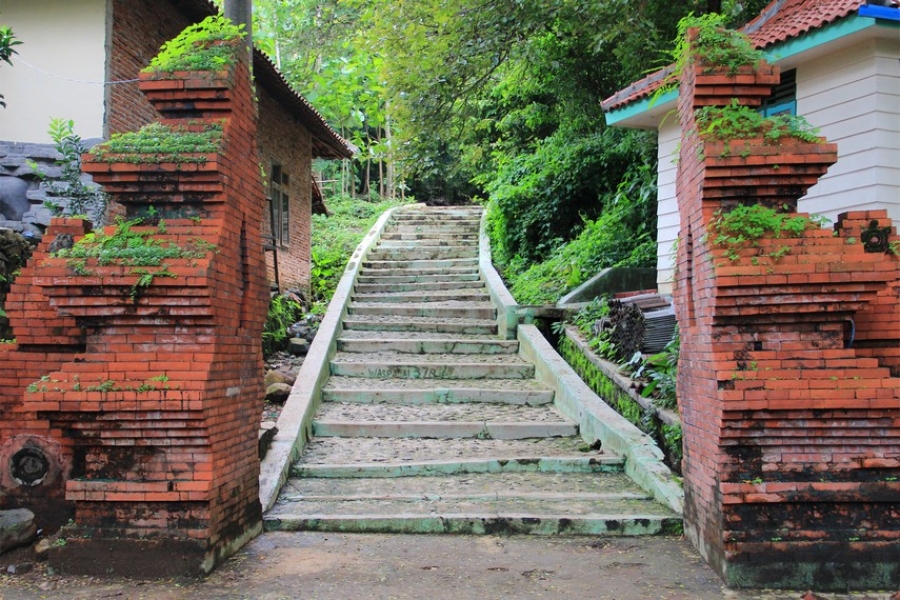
[
  {"x": 130, "y": 401},
  {"x": 791, "y": 418}
]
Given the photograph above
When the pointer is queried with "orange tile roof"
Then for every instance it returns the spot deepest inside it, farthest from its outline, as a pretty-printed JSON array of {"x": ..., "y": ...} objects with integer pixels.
[{"x": 779, "y": 21}]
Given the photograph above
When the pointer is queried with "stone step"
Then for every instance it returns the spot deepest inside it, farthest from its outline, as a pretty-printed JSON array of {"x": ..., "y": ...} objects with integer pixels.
[
  {"x": 424, "y": 391},
  {"x": 394, "y": 244},
  {"x": 470, "y": 295},
  {"x": 489, "y": 521},
  {"x": 436, "y": 274},
  {"x": 423, "y": 264},
  {"x": 466, "y": 276},
  {"x": 438, "y": 253},
  {"x": 511, "y": 502},
  {"x": 470, "y": 218},
  {"x": 387, "y": 365},
  {"x": 475, "y": 486},
  {"x": 414, "y": 236},
  {"x": 389, "y": 322},
  {"x": 353, "y": 457},
  {"x": 433, "y": 231},
  {"x": 484, "y": 421},
  {"x": 416, "y": 286},
  {"x": 433, "y": 310},
  {"x": 385, "y": 343}
]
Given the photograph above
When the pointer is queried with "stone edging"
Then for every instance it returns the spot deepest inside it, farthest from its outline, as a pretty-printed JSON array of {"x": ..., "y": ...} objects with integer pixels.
[
  {"x": 295, "y": 422},
  {"x": 598, "y": 421}
]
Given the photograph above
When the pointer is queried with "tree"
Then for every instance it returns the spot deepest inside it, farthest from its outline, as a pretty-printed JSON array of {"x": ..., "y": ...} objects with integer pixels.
[{"x": 7, "y": 41}]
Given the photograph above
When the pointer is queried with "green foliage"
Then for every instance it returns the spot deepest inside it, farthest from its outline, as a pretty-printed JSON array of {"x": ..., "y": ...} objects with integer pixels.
[
  {"x": 592, "y": 312},
  {"x": 745, "y": 223},
  {"x": 714, "y": 43},
  {"x": 662, "y": 371},
  {"x": 667, "y": 437},
  {"x": 736, "y": 122},
  {"x": 127, "y": 246},
  {"x": 623, "y": 235},
  {"x": 80, "y": 198},
  {"x": 284, "y": 311},
  {"x": 672, "y": 441},
  {"x": 157, "y": 143},
  {"x": 7, "y": 41},
  {"x": 335, "y": 237},
  {"x": 209, "y": 45}
]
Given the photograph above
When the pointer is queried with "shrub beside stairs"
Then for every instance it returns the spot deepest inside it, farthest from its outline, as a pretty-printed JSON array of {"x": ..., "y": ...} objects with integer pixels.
[{"x": 429, "y": 422}]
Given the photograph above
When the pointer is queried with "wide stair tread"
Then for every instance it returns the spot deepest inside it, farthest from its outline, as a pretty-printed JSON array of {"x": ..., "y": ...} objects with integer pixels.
[
  {"x": 472, "y": 295},
  {"x": 494, "y": 421},
  {"x": 537, "y": 503},
  {"x": 421, "y": 391},
  {"x": 390, "y": 457},
  {"x": 392, "y": 322}
]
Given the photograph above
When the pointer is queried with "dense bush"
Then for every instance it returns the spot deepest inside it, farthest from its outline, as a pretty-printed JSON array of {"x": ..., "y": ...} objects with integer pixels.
[{"x": 623, "y": 235}]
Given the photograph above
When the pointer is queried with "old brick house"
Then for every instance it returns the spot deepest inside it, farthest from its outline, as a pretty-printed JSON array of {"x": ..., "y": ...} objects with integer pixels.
[
  {"x": 839, "y": 64},
  {"x": 79, "y": 61}
]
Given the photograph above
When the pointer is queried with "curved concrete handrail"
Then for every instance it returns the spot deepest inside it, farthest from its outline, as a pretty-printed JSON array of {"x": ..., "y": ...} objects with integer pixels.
[
  {"x": 500, "y": 296},
  {"x": 598, "y": 421},
  {"x": 295, "y": 422}
]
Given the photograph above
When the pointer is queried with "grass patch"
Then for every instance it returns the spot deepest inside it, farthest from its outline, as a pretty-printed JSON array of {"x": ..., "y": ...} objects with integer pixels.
[{"x": 335, "y": 237}]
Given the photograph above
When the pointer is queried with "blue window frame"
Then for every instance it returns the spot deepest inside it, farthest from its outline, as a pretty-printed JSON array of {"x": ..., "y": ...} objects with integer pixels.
[{"x": 783, "y": 100}]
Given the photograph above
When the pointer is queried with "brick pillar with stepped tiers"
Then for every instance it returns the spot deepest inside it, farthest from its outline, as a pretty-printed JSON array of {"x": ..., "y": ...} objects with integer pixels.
[
  {"x": 131, "y": 399},
  {"x": 790, "y": 407}
]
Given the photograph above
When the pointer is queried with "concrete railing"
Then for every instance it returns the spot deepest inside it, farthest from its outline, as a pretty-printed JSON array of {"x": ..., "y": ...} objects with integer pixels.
[
  {"x": 598, "y": 421},
  {"x": 507, "y": 319}
]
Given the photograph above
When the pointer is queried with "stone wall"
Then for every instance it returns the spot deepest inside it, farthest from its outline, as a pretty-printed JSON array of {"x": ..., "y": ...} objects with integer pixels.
[
  {"x": 22, "y": 194},
  {"x": 790, "y": 407}
]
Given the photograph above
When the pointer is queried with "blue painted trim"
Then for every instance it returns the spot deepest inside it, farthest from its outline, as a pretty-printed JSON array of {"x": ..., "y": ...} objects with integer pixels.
[
  {"x": 879, "y": 12},
  {"x": 640, "y": 106}
]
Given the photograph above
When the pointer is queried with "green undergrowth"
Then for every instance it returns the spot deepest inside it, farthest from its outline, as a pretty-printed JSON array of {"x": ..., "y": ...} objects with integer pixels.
[
  {"x": 209, "y": 45},
  {"x": 738, "y": 122},
  {"x": 748, "y": 224},
  {"x": 335, "y": 237},
  {"x": 283, "y": 312},
  {"x": 126, "y": 246},
  {"x": 157, "y": 143},
  {"x": 622, "y": 236},
  {"x": 668, "y": 437}
]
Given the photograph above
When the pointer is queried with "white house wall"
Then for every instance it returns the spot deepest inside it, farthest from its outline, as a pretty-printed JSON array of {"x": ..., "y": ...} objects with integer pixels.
[
  {"x": 853, "y": 97},
  {"x": 667, "y": 204},
  {"x": 64, "y": 41}
]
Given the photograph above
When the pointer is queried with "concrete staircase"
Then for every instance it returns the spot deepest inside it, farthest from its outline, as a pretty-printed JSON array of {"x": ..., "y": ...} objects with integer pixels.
[{"x": 431, "y": 423}]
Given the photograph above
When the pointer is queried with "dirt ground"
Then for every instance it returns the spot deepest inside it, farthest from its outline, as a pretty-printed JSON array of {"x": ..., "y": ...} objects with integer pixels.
[{"x": 280, "y": 566}]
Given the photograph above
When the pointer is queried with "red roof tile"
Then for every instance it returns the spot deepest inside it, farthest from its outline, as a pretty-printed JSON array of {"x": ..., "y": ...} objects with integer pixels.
[{"x": 779, "y": 21}]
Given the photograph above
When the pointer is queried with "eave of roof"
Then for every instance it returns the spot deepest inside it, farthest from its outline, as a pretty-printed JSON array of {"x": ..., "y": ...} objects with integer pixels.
[
  {"x": 781, "y": 23},
  {"x": 326, "y": 141}
]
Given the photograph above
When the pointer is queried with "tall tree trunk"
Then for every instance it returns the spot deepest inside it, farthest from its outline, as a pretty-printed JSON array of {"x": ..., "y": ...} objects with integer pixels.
[{"x": 390, "y": 150}]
